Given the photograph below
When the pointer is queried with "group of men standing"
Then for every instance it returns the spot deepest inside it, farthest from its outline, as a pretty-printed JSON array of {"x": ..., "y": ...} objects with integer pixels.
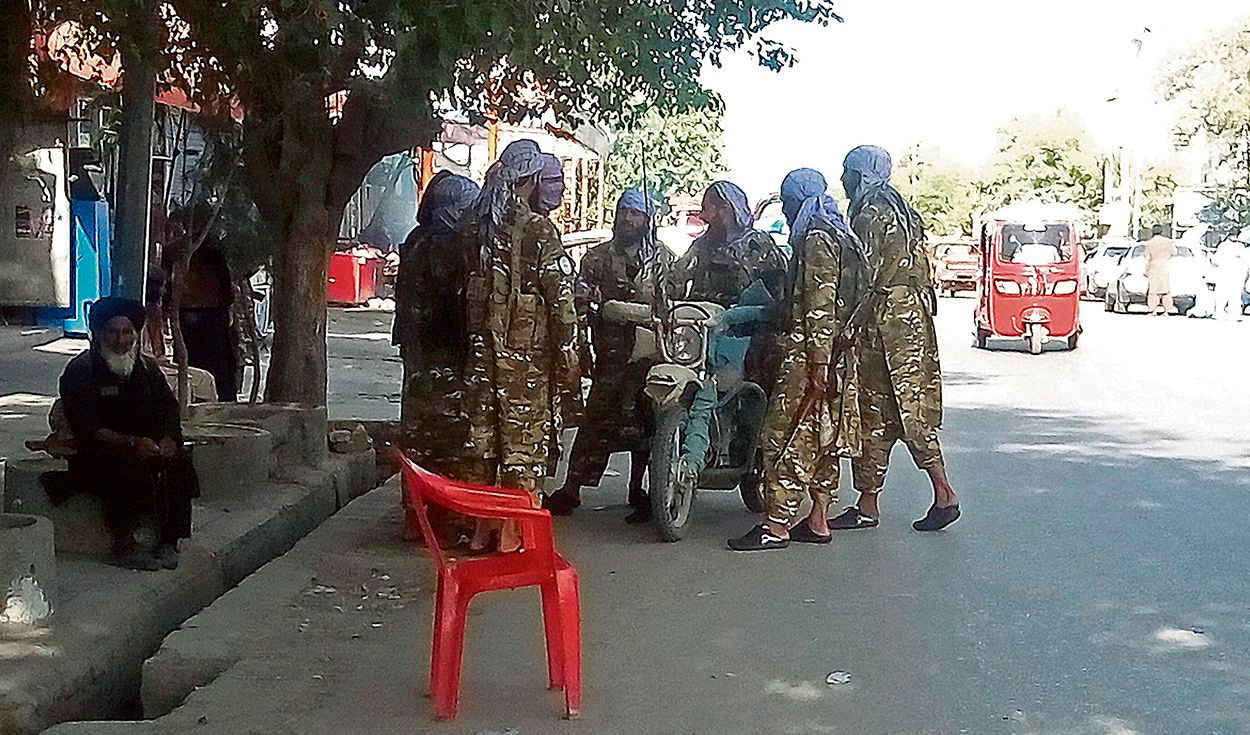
[{"x": 489, "y": 306}]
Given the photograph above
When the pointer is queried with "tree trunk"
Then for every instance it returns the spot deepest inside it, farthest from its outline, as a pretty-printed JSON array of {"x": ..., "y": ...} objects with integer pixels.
[
  {"x": 134, "y": 179},
  {"x": 297, "y": 365}
]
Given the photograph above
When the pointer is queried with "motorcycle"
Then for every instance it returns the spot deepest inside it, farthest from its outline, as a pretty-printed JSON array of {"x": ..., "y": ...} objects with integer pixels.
[{"x": 707, "y": 414}]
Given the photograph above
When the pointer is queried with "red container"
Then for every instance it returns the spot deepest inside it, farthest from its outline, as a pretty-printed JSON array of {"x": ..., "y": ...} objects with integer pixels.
[{"x": 353, "y": 277}]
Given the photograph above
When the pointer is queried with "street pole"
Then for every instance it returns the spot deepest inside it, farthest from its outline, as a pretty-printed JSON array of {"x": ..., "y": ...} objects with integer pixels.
[{"x": 133, "y": 200}]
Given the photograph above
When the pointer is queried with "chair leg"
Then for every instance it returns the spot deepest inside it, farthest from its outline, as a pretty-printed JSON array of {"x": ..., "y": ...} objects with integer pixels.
[
  {"x": 571, "y": 622},
  {"x": 453, "y": 614},
  {"x": 553, "y": 627},
  {"x": 436, "y": 639}
]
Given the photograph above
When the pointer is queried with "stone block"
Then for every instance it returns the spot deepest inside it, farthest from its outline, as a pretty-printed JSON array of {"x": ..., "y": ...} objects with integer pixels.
[
  {"x": 230, "y": 459},
  {"x": 77, "y": 521},
  {"x": 27, "y": 570},
  {"x": 299, "y": 432}
]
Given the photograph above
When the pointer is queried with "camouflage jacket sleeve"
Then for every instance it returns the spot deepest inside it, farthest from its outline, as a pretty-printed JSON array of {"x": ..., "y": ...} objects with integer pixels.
[
  {"x": 819, "y": 289},
  {"x": 587, "y": 289},
  {"x": 556, "y": 278}
]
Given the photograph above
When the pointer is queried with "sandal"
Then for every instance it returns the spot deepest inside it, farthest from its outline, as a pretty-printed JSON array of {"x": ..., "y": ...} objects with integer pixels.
[
  {"x": 852, "y": 519},
  {"x": 802, "y": 533},
  {"x": 937, "y": 518},
  {"x": 758, "y": 538}
]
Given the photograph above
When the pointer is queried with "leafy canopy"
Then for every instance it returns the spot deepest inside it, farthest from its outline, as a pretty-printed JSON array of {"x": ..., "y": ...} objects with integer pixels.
[
  {"x": 685, "y": 152},
  {"x": 1211, "y": 85}
]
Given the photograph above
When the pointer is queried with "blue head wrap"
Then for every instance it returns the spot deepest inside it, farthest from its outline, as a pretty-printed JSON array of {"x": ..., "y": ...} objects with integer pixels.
[
  {"x": 446, "y": 198},
  {"x": 735, "y": 197},
  {"x": 522, "y": 158},
  {"x": 873, "y": 166},
  {"x": 635, "y": 200},
  {"x": 807, "y": 206}
]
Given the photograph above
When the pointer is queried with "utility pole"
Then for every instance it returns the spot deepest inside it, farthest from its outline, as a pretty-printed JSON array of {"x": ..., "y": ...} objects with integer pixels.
[{"x": 133, "y": 201}]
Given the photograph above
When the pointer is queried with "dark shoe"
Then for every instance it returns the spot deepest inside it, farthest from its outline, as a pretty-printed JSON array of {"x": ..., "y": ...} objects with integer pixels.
[
  {"x": 803, "y": 534},
  {"x": 136, "y": 559},
  {"x": 853, "y": 519},
  {"x": 640, "y": 515},
  {"x": 166, "y": 555},
  {"x": 937, "y": 518},
  {"x": 561, "y": 503},
  {"x": 758, "y": 538}
]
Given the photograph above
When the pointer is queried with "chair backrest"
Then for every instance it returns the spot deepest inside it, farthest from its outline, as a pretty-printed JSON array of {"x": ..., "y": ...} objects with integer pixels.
[
  {"x": 415, "y": 484},
  {"x": 422, "y": 486}
]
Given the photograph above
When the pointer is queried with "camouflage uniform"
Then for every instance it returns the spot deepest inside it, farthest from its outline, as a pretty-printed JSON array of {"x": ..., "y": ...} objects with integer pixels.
[
  {"x": 429, "y": 331},
  {"x": 718, "y": 272},
  {"x": 801, "y": 453},
  {"x": 900, "y": 378},
  {"x": 522, "y": 329},
  {"x": 609, "y": 272}
]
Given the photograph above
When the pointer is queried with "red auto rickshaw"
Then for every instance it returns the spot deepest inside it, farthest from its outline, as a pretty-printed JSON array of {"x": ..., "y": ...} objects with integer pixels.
[{"x": 1030, "y": 271}]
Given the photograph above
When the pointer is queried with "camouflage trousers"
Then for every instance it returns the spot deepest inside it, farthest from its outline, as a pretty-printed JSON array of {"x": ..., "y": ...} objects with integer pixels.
[
  {"x": 614, "y": 422},
  {"x": 802, "y": 467},
  {"x": 883, "y": 426}
]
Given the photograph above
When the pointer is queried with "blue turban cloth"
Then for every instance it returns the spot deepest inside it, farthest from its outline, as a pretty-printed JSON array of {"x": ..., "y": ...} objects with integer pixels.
[
  {"x": 635, "y": 200},
  {"x": 735, "y": 197},
  {"x": 873, "y": 166},
  {"x": 445, "y": 200},
  {"x": 520, "y": 160},
  {"x": 808, "y": 206}
]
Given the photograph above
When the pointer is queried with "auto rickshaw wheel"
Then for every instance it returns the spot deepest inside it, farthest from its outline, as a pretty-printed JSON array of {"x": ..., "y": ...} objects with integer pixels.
[
  {"x": 1036, "y": 340},
  {"x": 1073, "y": 340},
  {"x": 983, "y": 338}
]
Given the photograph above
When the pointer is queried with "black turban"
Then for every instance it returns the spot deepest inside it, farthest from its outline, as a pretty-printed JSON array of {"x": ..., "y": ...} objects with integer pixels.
[{"x": 110, "y": 306}]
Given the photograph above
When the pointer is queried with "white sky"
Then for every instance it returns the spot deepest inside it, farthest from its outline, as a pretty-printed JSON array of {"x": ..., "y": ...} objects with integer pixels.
[{"x": 948, "y": 73}]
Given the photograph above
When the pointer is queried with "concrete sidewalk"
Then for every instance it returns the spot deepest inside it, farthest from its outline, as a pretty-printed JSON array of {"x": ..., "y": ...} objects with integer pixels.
[{"x": 86, "y": 663}]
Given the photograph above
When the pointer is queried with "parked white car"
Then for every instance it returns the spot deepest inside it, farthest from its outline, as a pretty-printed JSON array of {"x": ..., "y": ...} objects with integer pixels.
[
  {"x": 1188, "y": 277},
  {"x": 1100, "y": 266}
]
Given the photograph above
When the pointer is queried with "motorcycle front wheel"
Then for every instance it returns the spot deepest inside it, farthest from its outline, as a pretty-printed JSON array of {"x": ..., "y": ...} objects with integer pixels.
[{"x": 672, "y": 487}]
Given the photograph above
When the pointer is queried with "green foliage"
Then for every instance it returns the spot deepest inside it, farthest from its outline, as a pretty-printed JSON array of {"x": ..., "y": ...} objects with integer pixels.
[
  {"x": 1048, "y": 159},
  {"x": 943, "y": 191},
  {"x": 684, "y": 153},
  {"x": 1211, "y": 83}
]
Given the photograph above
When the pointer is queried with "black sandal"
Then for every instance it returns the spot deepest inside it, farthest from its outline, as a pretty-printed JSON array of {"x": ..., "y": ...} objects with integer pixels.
[
  {"x": 937, "y": 518},
  {"x": 758, "y": 538},
  {"x": 852, "y": 519},
  {"x": 803, "y": 534}
]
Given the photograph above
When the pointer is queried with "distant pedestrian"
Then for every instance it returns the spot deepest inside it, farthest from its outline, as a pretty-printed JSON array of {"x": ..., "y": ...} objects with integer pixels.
[
  {"x": 205, "y": 313},
  {"x": 1231, "y": 264},
  {"x": 900, "y": 377},
  {"x": 813, "y": 416},
  {"x": 1159, "y": 252}
]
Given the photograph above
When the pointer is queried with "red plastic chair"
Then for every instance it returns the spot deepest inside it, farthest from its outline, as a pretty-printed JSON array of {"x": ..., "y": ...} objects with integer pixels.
[{"x": 459, "y": 580}]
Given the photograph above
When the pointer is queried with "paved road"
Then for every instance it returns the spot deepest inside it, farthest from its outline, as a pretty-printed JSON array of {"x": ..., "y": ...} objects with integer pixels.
[{"x": 1097, "y": 584}]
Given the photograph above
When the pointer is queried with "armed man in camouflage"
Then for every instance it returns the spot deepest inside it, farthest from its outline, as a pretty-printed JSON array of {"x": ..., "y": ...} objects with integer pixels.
[
  {"x": 429, "y": 325},
  {"x": 625, "y": 268},
  {"x": 900, "y": 378},
  {"x": 727, "y": 258},
  {"x": 813, "y": 416},
  {"x": 521, "y": 324}
]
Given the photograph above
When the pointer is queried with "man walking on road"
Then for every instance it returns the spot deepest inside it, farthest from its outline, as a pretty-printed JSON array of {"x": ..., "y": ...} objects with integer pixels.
[
  {"x": 1159, "y": 252},
  {"x": 813, "y": 415},
  {"x": 900, "y": 377},
  {"x": 626, "y": 268},
  {"x": 1230, "y": 275},
  {"x": 522, "y": 326}
]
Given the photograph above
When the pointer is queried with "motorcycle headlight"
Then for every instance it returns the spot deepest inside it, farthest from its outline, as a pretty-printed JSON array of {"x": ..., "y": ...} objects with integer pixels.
[{"x": 684, "y": 345}]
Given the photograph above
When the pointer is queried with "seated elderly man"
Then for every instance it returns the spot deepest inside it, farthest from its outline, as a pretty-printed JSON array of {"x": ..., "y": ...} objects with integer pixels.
[{"x": 128, "y": 436}]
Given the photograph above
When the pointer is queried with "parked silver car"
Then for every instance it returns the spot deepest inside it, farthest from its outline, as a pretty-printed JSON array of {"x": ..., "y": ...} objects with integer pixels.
[{"x": 1101, "y": 265}]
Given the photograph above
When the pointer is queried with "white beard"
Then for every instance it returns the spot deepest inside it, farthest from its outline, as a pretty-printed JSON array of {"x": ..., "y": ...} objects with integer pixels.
[{"x": 121, "y": 365}]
